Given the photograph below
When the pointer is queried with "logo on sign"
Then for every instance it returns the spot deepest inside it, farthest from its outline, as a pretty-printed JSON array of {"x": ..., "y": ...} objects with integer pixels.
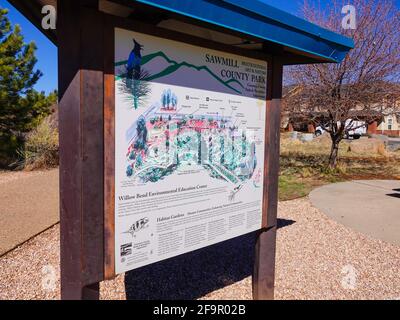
[{"x": 126, "y": 249}]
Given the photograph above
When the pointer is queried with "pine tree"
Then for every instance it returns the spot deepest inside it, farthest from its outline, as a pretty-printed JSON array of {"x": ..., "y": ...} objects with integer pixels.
[{"x": 21, "y": 107}]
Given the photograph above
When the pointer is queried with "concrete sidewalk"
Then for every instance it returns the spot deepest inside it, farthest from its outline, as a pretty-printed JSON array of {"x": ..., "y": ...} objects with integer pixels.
[
  {"x": 28, "y": 205},
  {"x": 370, "y": 207}
]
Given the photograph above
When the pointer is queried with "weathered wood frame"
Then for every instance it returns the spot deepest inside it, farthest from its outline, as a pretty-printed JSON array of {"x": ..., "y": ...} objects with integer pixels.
[{"x": 87, "y": 98}]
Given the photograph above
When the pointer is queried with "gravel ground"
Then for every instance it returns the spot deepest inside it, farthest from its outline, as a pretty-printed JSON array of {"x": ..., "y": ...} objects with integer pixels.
[{"x": 316, "y": 259}]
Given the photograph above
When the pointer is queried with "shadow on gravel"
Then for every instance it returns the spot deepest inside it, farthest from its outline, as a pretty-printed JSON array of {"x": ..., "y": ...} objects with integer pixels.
[
  {"x": 282, "y": 223},
  {"x": 195, "y": 274}
]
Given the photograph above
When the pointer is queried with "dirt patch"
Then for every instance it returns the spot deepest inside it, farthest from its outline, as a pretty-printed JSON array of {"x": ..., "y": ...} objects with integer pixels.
[{"x": 368, "y": 146}]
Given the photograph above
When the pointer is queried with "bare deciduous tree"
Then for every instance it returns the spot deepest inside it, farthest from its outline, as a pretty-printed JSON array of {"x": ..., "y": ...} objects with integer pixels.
[{"x": 364, "y": 85}]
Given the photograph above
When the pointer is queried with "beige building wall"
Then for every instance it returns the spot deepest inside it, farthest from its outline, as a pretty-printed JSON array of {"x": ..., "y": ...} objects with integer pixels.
[{"x": 390, "y": 123}]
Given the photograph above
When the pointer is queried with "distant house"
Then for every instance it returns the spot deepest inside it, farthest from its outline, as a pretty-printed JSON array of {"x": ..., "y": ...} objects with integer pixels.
[
  {"x": 390, "y": 126},
  {"x": 305, "y": 121},
  {"x": 376, "y": 120}
]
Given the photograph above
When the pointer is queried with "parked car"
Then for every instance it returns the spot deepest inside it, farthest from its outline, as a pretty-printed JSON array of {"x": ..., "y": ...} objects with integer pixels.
[
  {"x": 319, "y": 131},
  {"x": 360, "y": 129}
]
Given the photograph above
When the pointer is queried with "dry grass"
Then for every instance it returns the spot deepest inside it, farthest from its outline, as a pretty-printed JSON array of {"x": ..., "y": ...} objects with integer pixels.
[
  {"x": 41, "y": 147},
  {"x": 304, "y": 164}
]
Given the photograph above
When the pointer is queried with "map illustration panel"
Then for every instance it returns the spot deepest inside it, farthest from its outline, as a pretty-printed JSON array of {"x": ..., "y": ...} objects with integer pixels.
[{"x": 190, "y": 126}]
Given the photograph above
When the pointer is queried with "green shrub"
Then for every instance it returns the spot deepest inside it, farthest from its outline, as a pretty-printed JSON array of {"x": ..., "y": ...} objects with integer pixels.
[{"x": 41, "y": 147}]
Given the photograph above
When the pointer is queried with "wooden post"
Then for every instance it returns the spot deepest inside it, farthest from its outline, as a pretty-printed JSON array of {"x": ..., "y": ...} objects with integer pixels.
[
  {"x": 109, "y": 151},
  {"x": 81, "y": 64},
  {"x": 264, "y": 264}
]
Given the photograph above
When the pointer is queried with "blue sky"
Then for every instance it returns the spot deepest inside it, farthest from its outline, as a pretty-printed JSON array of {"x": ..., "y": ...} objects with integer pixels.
[{"x": 47, "y": 52}]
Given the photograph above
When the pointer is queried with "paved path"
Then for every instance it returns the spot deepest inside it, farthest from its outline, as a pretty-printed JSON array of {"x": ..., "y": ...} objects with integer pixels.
[
  {"x": 394, "y": 144},
  {"x": 370, "y": 207},
  {"x": 28, "y": 205}
]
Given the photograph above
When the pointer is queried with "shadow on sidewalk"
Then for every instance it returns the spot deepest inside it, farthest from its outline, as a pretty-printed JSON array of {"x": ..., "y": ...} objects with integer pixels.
[{"x": 394, "y": 195}]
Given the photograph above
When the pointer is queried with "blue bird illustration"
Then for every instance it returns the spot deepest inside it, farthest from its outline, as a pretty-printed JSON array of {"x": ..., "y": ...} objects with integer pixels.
[{"x": 135, "y": 61}]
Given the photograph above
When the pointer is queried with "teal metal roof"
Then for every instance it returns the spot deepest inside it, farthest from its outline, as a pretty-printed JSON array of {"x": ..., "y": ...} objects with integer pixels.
[
  {"x": 262, "y": 21},
  {"x": 303, "y": 41}
]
